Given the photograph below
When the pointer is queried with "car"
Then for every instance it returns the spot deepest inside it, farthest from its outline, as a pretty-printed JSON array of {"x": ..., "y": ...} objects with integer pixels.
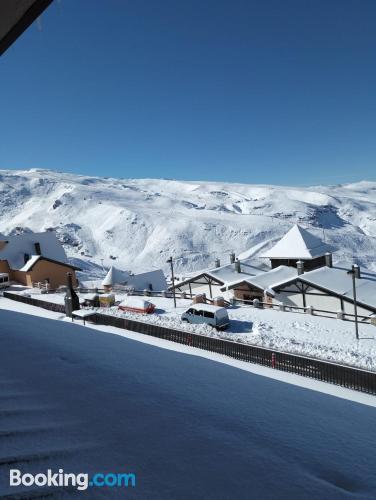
[
  {"x": 214, "y": 316},
  {"x": 137, "y": 304}
]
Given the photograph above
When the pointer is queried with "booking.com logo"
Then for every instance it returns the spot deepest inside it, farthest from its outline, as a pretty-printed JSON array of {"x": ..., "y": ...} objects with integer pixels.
[{"x": 81, "y": 481}]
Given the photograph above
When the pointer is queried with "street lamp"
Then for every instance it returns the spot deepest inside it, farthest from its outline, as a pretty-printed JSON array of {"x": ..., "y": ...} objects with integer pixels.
[
  {"x": 355, "y": 273},
  {"x": 169, "y": 261}
]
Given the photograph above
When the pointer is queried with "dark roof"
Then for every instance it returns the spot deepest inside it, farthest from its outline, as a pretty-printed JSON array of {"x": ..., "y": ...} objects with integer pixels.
[
  {"x": 64, "y": 264},
  {"x": 16, "y": 17}
]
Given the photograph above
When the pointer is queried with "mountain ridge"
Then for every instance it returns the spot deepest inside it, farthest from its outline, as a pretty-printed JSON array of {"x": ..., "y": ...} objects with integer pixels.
[{"x": 137, "y": 224}]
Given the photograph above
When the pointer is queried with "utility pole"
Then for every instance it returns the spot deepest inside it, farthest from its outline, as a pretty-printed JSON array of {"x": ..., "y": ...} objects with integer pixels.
[
  {"x": 355, "y": 273},
  {"x": 170, "y": 261}
]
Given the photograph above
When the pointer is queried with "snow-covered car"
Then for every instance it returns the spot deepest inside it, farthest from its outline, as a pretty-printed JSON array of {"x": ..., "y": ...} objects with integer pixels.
[
  {"x": 137, "y": 304},
  {"x": 206, "y": 313}
]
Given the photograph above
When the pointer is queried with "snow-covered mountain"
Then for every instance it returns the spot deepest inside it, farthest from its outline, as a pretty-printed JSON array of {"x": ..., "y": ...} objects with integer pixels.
[{"x": 138, "y": 223}]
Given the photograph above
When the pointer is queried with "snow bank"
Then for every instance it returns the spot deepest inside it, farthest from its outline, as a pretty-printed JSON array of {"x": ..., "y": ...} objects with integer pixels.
[{"x": 86, "y": 401}]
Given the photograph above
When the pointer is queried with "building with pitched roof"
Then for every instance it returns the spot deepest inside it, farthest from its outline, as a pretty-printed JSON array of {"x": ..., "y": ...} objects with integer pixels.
[
  {"x": 298, "y": 244},
  {"x": 31, "y": 258}
]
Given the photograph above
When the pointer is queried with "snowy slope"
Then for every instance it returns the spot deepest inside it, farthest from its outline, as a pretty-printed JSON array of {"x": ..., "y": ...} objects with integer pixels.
[
  {"x": 137, "y": 224},
  {"x": 87, "y": 401}
]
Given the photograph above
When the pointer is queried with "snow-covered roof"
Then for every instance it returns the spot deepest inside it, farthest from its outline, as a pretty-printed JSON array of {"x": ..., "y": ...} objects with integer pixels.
[
  {"x": 336, "y": 280},
  {"x": 18, "y": 245},
  {"x": 298, "y": 243},
  {"x": 137, "y": 302},
  {"x": 156, "y": 279},
  {"x": 29, "y": 264},
  {"x": 115, "y": 276},
  {"x": 267, "y": 280},
  {"x": 228, "y": 273},
  {"x": 206, "y": 307}
]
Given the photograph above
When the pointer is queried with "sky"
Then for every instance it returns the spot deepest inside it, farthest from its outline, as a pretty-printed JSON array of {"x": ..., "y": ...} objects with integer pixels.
[{"x": 230, "y": 90}]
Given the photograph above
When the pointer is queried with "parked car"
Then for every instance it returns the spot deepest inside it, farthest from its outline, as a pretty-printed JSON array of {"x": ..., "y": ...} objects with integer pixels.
[
  {"x": 205, "y": 313},
  {"x": 4, "y": 280},
  {"x": 136, "y": 304}
]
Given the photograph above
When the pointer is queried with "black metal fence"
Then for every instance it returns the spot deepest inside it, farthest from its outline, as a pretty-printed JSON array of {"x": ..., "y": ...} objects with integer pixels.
[
  {"x": 345, "y": 376},
  {"x": 351, "y": 378},
  {"x": 50, "y": 306}
]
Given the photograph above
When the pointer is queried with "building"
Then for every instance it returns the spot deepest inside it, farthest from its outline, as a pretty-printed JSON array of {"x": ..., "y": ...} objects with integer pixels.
[
  {"x": 212, "y": 281},
  {"x": 31, "y": 258},
  {"x": 298, "y": 244},
  {"x": 261, "y": 285},
  {"x": 152, "y": 280},
  {"x": 330, "y": 289}
]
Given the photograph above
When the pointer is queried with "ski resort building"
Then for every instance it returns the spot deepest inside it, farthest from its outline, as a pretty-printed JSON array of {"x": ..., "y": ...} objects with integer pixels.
[
  {"x": 152, "y": 280},
  {"x": 212, "y": 281},
  {"x": 330, "y": 288},
  {"x": 32, "y": 258},
  {"x": 261, "y": 285},
  {"x": 298, "y": 244},
  {"x": 302, "y": 274}
]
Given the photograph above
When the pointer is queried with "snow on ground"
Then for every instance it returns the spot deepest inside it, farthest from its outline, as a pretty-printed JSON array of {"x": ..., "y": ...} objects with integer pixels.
[
  {"x": 319, "y": 337},
  {"x": 138, "y": 223},
  {"x": 77, "y": 398}
]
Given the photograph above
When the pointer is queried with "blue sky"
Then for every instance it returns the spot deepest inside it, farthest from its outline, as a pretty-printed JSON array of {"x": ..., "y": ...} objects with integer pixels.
[{"x": 265, "y": 91}]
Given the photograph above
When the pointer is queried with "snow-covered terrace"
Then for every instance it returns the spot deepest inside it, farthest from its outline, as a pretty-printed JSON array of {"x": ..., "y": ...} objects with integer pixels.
[{"x": 95, "y": 399}]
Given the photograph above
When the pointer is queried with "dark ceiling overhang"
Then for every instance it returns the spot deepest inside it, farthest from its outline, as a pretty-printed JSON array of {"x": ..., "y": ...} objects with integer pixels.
[{"x": 16, "y": 16}]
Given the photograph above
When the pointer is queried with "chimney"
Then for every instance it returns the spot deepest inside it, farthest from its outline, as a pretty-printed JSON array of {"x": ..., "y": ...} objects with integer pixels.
[
  {"x": 237, "y": 266},
  {"x": 37, "y": 248},
  {"x": 300, "y": 267},
  {"x": 217, "y": 263},
  {"x": 328, "y": 259},
  {"x": 232, "y": 257},
  {"x": 356, "y": 271}
]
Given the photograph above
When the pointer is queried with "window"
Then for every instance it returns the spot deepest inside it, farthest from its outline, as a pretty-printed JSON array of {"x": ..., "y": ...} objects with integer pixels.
[
  {"x": 208, "y": 314},
  {"x": 196, "y": 312}
]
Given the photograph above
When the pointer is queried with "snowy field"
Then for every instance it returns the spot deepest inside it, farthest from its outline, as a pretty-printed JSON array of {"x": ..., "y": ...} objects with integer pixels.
[
  {"x": 323, "y": 338},
  {"x": 138, "y": 223},
  {"x": 83, "y": 399}
]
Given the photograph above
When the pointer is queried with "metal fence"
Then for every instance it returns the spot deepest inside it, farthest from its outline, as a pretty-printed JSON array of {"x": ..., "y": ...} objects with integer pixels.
[
  {"x": 344, "y": 316},
  {"x": 345, "y": 376},
  {"x": 50, "y": 306}
]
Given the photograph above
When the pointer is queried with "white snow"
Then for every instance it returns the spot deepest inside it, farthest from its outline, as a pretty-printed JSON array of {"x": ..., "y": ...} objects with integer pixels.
[
  {"x": 138, "y": 224},
  {"x": 19, "y": 245},
  {"x": 30, "y": 263},
  {"x": 337, "y": 280},
  {"x": 81, "y": 399},
  {"x": 298, "y": 243},
  {"x": 315, "y": 336},
  {"x": 268, "y": 279}
]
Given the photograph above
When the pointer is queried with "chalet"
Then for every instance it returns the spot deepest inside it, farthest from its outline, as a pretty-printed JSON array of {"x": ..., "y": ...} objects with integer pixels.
[
  {"x": 31, "y": 258},
  {"x": 261, "y": 285},
  {"x": 329, "y": 288},
  {"x": 151, "y": 280},
  {"x": 298, "y": 244},
  {"x": 212, "y": 281}
]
